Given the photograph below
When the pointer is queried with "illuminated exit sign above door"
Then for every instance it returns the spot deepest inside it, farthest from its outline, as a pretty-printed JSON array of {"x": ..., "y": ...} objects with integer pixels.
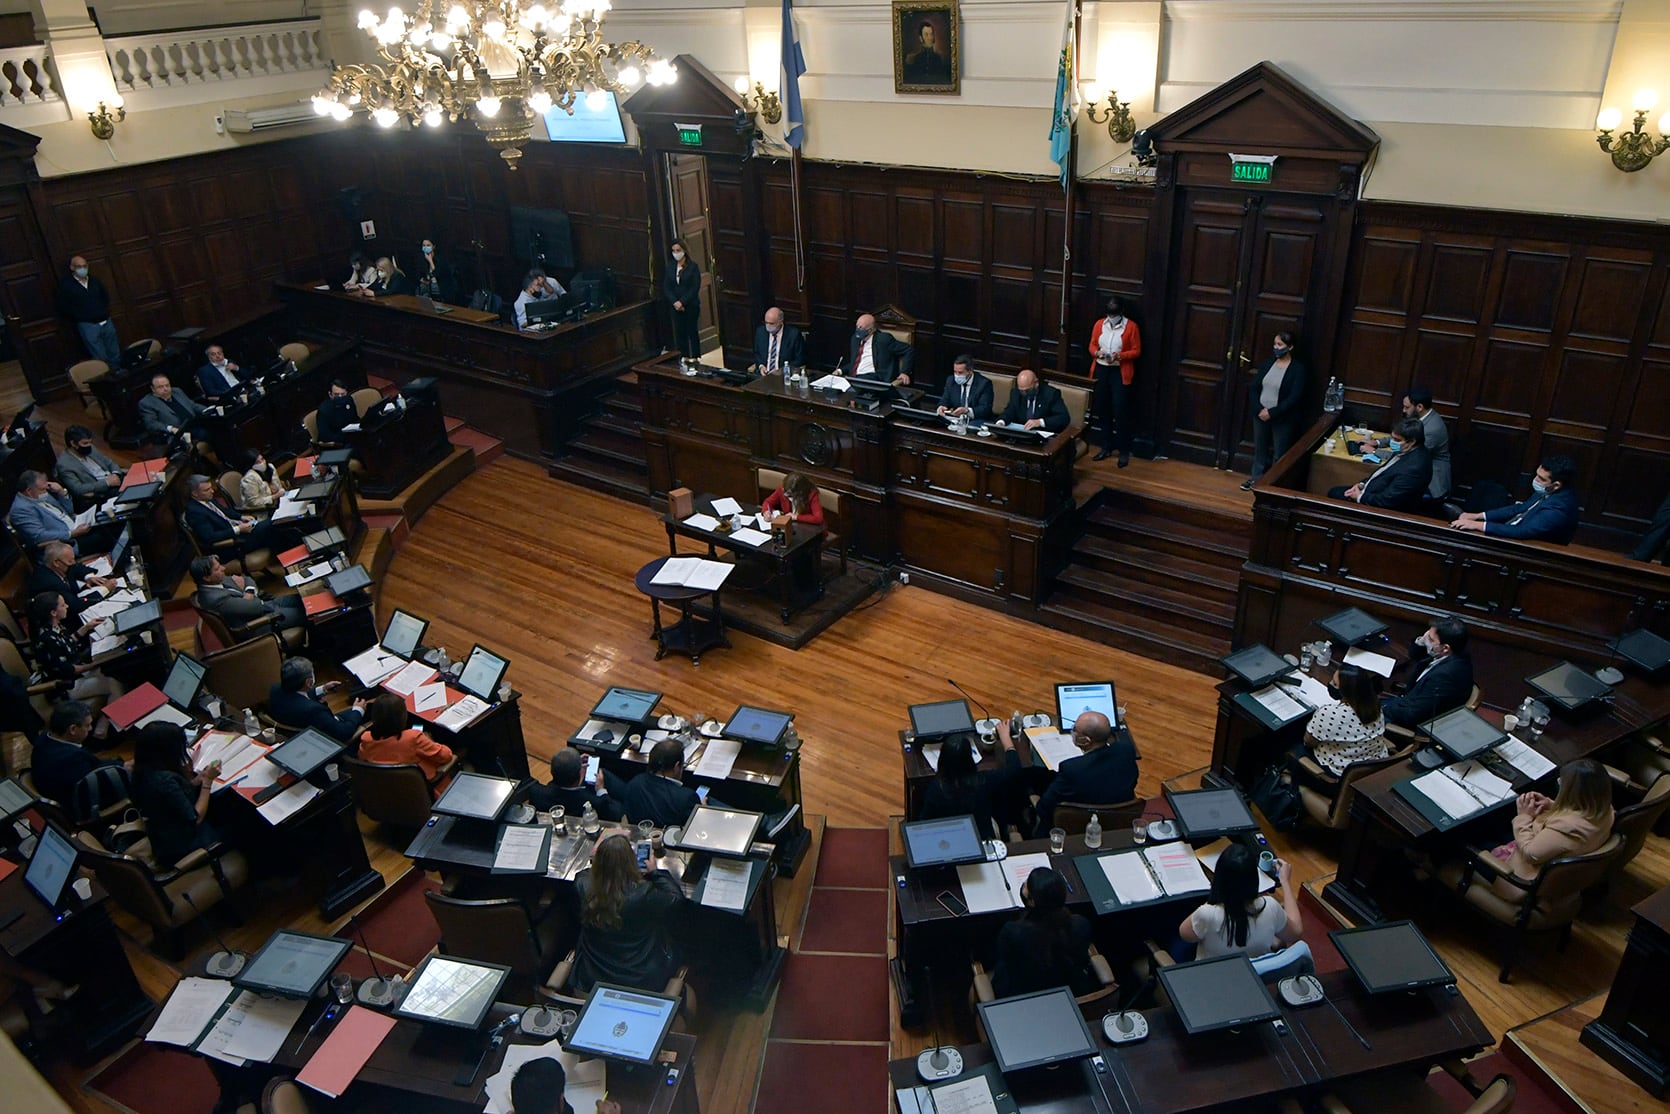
[{"x": 1251, "y": 169}]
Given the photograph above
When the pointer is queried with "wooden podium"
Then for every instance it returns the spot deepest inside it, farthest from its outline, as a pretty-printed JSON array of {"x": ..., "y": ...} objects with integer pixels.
[{"x": 1632, "y": 1032}]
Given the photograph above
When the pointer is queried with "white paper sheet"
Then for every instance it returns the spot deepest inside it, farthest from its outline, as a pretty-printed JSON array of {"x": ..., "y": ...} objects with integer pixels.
[
  {"x": 463, "y": 713},
  {"x": 930, "y": 755},
  {"x": 676, "y": 571},
  {"x": 1020, "y": 867},
  {"x": 287, "y": 512},
  {"x": 726, "y": 507},
  {"x": 405, "y": 682},
  {"x": 750, "y": 536},
  {"x": 719, "y": 758},
  {"x": 252, "y": 1028},
  {"x": 727, "y": 884},
  {"x": 1129, "y": 877},
  {"x": 100, "y": 566},
  {"x": 1368, "y": 659},
  {"x": 104, "y": 643},
  {"x": 287, "y": 803},
  {"x": 831, "y": 382},
  {"x": 1483, "y": 785},
  {"x": 1176, "y": 867},
  {"x": 1053, "y": 748},
  {"x": 429, "y": 697},
  {"x": 1524, "y": 758},
  {"x": 374, "y": 666},
  {"x": 189, "y": 1009},
  {"x": 972, "y": 1095},
  {"x": 1446, "y": 794},
  {"x": 983, "y": 888},
  {"x": 585, "y": 1077},
  {"x": 519, "y": 848},
  {"x": 1279, "y": 704},
  {"x": 1312, "y": 691},
  {"x": 308, "y": 575},
  {"x": 165, "y": 714},
  {"x": 700, "y": 521},
  {"x": 708, "y": 575}
]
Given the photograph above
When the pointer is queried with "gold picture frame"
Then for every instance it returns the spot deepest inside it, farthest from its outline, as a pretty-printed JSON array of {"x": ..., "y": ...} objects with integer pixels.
[{"x": 927, "y": 48}]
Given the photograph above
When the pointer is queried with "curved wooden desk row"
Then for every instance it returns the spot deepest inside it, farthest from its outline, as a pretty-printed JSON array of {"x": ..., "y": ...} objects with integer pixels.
[{"x": 979, "y": 517}]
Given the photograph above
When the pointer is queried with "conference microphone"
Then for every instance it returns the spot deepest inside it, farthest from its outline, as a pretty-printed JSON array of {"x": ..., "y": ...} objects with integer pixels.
[
  {"x": 984, "y": 711},
  {"x": 467, "y": 1073},
  {"x": 228, "y": 961},
  {"x": 1126, "y": 1025},
  {"x": 374, "y": 991}
]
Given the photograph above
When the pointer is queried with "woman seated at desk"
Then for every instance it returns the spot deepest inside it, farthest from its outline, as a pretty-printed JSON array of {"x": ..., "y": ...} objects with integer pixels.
[
  {"x": 795, "y": 496},
  {"x": 960, "y": 788},
  {"x": 260, "y": 489},
  {"x": 387, "y": 741},
  {"x": 1575, "y": 822},
  {"x": 64, "y": 655},
  {"x": 1236, "y": 917},
  {"x": 623, "y": 920},
  {"x": 1046, "y": 946},
  {"x": 173, "y": 800},
  {"x": 1351, "y": 727}
]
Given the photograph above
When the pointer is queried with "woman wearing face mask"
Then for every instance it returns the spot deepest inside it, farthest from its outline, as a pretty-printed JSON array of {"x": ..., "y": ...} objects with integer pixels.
[
  {"x": 1351, "y": 727},
  {"x": 260, "y": 487},
  {"x": 681, "y": 284},
  {"x": 435, "y": 278},
  {"x": 390, "y": 279},
  {"x": 361, "y": 272},
  {"x": 1115, "y": 345},
  {"x": 1278, "y": 392}
]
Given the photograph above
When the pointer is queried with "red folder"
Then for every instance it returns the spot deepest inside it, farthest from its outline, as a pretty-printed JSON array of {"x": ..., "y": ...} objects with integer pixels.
[
  {"x": 304, "y": 468},
  {"x": 317, "y": 603},
  {"x": 130, "y": 708},
  {"x": 145, "y": 471},
  {"x": 293, "y": 556},
  {"x": 345, "y": 1051},
  {"x": 6, "y": 868}
]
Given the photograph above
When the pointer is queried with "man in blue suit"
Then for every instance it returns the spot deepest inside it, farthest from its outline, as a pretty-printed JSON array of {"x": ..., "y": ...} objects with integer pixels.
[
  {"x": 43, "y": 512},
  {"x": 219, "y": 377},
  {"x": 1550, "y": 514},
  {"x": 294, "y": 702},
  {"x": 1401, "y": 483},
  {"x": 778, "y": 345},
  {"x": 968, "y": 392},
  {"x": 1106, "y": 773},
  {"x": 660, "y": 794}
]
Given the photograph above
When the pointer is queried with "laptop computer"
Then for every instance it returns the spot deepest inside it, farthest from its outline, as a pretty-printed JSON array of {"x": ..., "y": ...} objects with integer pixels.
[
  {"x": 1568, "y": 687},
  {"x": 428, "y": 303},
  {"x": 51, "y": 869}
]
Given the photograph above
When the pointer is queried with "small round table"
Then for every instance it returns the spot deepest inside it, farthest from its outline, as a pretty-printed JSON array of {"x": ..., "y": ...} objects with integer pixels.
[{"x": 695, "y": 631}]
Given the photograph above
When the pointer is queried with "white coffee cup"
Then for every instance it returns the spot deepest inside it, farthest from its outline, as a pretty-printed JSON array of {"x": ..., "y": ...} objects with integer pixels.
[{"x": 1510, "y": 722}]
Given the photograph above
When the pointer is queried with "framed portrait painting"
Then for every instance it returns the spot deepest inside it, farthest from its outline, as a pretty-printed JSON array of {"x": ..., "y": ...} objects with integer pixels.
[{"x": 927, "y": 47}]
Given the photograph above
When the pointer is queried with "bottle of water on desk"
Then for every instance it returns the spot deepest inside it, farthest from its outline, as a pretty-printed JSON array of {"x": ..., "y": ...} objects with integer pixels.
[
  {"x": 589, "y": 820},
  {"x": 1331, "y": 397},
  {"x": 1093, "y": 832},
  {"x": 252, "y": 726}
]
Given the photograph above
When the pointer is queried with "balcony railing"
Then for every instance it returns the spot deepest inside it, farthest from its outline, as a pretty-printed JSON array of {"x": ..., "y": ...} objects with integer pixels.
[
  {"x": 27, "y": 77},
  {"x": 172, "y": 60}
]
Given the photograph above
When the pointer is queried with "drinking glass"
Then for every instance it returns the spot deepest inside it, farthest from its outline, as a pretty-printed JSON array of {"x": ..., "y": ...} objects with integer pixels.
[
  {"x": 565, "y": 1024},
  {"x": 1058, "y": 840},
  {"x": 558, "y": 823},
  {"x": 1139, "y": 830},
  {"x": 1306, "y": 657},
  {"x": 1324, "y": 654},
  {"x": 342, "y": 987},
  {"x": 646, "y": 828}
]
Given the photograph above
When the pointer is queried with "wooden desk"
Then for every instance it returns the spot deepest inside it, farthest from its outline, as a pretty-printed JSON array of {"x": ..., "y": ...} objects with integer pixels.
[
  {"x": 1339, "y": 468},
  {"x": 529, "y": 390},
  {"x": 398, "y": 448},
  {"x": 798, "y": 566},
  {"x": 1174, "y": 1073},
  {"x": 272, "y": 420},
  {"x": 1632, "y": 1032},
  {"x": 696, "y": 631},
  {"x": 120, "y": 389}
]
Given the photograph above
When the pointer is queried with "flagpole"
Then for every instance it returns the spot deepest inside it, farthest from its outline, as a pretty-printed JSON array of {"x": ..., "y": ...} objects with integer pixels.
[
  {"x": 799, "y": 246},
  {"x": 1063, "y": 346}
]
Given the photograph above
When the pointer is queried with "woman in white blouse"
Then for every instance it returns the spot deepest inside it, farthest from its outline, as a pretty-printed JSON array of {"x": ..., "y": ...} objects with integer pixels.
[
  {"x": 260, "y": 488},
  {"x": 1350, "y": 728}
]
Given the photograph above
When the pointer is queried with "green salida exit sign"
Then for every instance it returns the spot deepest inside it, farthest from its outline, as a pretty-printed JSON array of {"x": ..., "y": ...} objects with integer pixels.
[
  {"x": 1252, "y": 170},
  {"x": 690, "y": 135}
]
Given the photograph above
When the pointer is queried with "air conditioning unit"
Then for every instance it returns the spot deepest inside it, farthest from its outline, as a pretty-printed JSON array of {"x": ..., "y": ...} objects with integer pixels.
[{"x": 260, "y": 119}]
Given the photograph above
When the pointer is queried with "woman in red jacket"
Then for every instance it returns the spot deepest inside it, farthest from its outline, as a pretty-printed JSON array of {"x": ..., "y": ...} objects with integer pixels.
[
  {"x": 1115, "y": 345},
  {"x": 798, "y": 497}
]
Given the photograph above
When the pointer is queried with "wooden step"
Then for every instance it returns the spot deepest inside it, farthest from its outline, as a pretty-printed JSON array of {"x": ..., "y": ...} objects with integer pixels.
[
  {"x": 618, "y": 424},
  {"x": 452, "y": 424},
  {"x": 601, "y": 474},
  {"x": 1090, "y": 618},
  {"x": 1136, "y": 562},
  {"x": 392, "y": 521},
  {"x": 1184, "y": 539},
  {"x": 1213, "y": 618},
  {"x": 486, "y": 449},
  {"x": 1148, "y": 504},
  {"x": 607, "y": 445}
]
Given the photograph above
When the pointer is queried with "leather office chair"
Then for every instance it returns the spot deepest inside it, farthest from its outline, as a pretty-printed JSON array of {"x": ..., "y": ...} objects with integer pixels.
[
  {"x": 365, "y": 398},
  {"x": 310, "y": 422},
  {"x": 158, "y": 896},
  {"x": 1073, "y": 816},
  {"x": 231, "y": 486},
  {"x": 500, "y": 930},
  {"x": 1645, "y": 759},
  {"x": 1333, "y": 809},
  {"x": 243, "y": 675},
  {"x": 1408, "y": 1093},
  {"x": 678, "y": 986},
  {"x": 281, "y": 1096},
  {"x": 11, "y": 628},
  {"x": 1550, "y": 902},
  {"x": 982, "y": 990},
  {"x": 227, "y": 635},
  {"x": 81, "y": 378},
  {"x": 393, "y": 794},
  {"x": 295, "y": 351},
  {"x": 17, "y": 753},
  {"x": 1633, "y": 823},
  {"x": 254, "y": 562}
]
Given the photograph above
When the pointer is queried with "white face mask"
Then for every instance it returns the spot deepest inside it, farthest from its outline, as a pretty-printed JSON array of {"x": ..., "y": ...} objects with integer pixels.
[
  {"x": 774, "y": 329},
  {"x": 962, "y": 378},
  {"x": 678, "y": 255}
]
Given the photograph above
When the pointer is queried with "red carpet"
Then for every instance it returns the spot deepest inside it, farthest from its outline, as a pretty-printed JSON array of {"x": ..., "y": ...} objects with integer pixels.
[
  {"x": 1318, "y": 923},
  {"x": 853, "y": 858},
  {"x": 823, "y": 1079},
  {"x": 158, "y": 1079},
  {"x": 397, "y": 923},
  {"x": 832, "y": 998},
  {"x": 846, "y": 921},
  {"x": 1533, "y": 1094}
]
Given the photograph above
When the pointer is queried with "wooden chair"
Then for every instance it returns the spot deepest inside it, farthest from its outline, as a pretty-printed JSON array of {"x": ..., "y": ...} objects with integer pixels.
[
  {"x": 1408, "y": 1093},
  {"x": 1072, "y": 816},
  {"x": 231, "y": 486},
  {"x": 500, "y": 930},
  {"x": 1550, "y": 902},
  {"x": 1333, "y": 809},
  {"x": 244, "y": 674},
  {"x": 898, "y": 324},
  {"x": 982, "y": 990},
  {"x": 168, "y": 898},
  {"x": 393, "y": 794}
]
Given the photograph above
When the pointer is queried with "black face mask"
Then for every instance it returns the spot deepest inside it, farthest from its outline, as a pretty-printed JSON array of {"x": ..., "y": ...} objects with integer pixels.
[{"x": 83, "y": 450}]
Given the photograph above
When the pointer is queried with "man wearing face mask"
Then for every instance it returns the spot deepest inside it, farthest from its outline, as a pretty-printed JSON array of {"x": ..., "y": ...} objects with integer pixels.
[
  {"x": 1400, "y": 484},
  {"x": 89, "y": 474},
  {"x": 335, "y": 414},
  {"x": 1278, "y": 392},
  {"x": 84, "y": 300},
  {"x": 1035, "y": 405},
  {"x": 219, "y": 377},
  {"x": 1440, "y": 675},
  {"x": 874, "y": 354},
  {"x": 968, "y": 394},
  {"x": 537, "y": 286},
  {"x": 1550, "y": 514},
  {"x": 778, "y": 345}
]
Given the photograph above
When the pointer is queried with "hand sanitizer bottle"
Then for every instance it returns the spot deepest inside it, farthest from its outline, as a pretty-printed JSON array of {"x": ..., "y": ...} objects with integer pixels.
[{"x": 1093, "y": 832}]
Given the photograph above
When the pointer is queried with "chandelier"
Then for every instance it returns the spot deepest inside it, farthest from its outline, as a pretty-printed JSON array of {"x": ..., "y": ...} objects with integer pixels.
[{"x": 497, "y": 63}]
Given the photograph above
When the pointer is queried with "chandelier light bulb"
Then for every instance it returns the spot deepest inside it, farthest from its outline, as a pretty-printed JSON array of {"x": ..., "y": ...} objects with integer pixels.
[
  {"x": 321, "y": 105},
  {"x": 537, "y": 16},
  {"x": 457, "y": 20},
  {"x": 540, "y": 101},
  {"x": 1609, "y": 119},
  {"x": 740, "y": 85},
  {"x": 432, "y": 116},
  {"x": 494, "y": 29},
  {"x": 488, "y": 106},
  {"x": 385, "y": 116},
  {"x": 340, "y": 112},
  {"x": 1645, "y": 99},
  {"x": 661, "y": 72},
  {"x": 597, "y": 100},
  {"x": 629, "y": 76},
  {"x": 368, "y": 19}
]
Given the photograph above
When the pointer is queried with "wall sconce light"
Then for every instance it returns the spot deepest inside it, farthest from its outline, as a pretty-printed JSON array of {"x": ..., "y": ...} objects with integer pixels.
[
  {"x": 1116, "y": 114},
  {"x": 1635, "y": 148},
  {"x": 104, "y": 123},
  {"x": 760, "y": 101}
]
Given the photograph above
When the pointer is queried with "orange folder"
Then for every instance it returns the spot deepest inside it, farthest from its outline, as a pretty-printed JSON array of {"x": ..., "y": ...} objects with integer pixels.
[
  {"x": 355, "y": 1038},
  {"x": 317, "y": 603},
  {"x": 145, "y": 471},
  {"x": 131, "y": 707},
  {"x": 293, "y": 556},
  {"x": 304, "y": 468}
]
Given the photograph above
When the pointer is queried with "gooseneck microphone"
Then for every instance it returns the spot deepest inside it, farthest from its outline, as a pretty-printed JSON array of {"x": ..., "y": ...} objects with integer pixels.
[
  {"x": 374, "y": 991},
  {"x": 984, "y": 711},
  {"x": 228, "y": 961}
]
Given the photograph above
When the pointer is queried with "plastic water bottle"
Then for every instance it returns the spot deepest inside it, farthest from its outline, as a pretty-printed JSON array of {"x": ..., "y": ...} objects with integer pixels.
[
  {"x": 589, "y": 821},
  {"x": 252, "y": 726},
  {"x": 1093, "y": 832},
  {"x": 1330, "y": 397},
  {"x": 1015, "y": 724}
]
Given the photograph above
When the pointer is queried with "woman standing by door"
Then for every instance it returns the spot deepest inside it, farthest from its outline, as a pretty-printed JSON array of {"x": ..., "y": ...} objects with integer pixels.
[
  {"x": 1278, "y": 391},
  {"x": 682, "y": 286}
]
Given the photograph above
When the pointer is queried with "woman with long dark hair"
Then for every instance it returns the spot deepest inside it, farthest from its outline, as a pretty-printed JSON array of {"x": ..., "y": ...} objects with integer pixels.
[
  {"x": 961, "y": 788},
  {"x": 173, "y": 800},
  {"x": 435, "y": 277},
  {"x": 623, "y": 919},
  {"x": 1351, "y": 727},
  {"x": 1236, "y": 917},
  {"x": 260, "y": 487},
  {"x": 1046, "y": 946},
  {"x": 681, "y": 284},
  {"x": 387, "y": 740},
  {"x": 795, "y": 496},
  {"x": 66, "y": 655}
]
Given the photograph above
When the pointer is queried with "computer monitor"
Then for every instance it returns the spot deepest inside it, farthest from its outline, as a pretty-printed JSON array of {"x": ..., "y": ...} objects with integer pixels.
[
  {"x": 137, "y": 493},
  {"x": 14, "y": 800},
  {"x": 758, "y": 725},
  {"x": 139, "y": 615},
  {"x": 21, "y": 420},
  {"x": 1644, "y": 650},
  {"x": 1209, "y": 813},
  {"x": 185, "y": 681},
  {"x": 483, "y": 670},
  {"x": 940, "y": 719},
  {"x": 621, "y": 705},
  {"x": 1221, "y": 993},
  {"x": 318, "y": 489},
  {"x": 1462, "y": 733},
  {"x": 619, "y": 1023},
  {"x": 350, "y": 579},
  {"x": 292, "y": 964},
  {"x": 304, "y": 752},
  {"x": 945, "y": 842},
  {"x": 1391, "y": 956},
  {"x": 52, "y": 868},
  {"x": 1257, "y": 665},
  {"x": 545, "y": 309},
  {"x": 328, "y": 538},
  {"x": 454, "y": 992},
  {"x": 875, "y": 388},
  {"x": 1352, "y": 626},
  {"x": 120, "y": 551},
  {"x": 1568, "y": 686},
  {"x": 720, "y": 831},
  {"x": 476, "y": 796},
  {"x": 404, "y": 633},
  {"x": 1074, "y": 698},
  {"x": 1031, "y": 1030}
]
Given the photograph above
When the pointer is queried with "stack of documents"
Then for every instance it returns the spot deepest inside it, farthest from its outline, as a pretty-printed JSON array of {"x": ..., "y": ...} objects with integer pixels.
[
  {"x": 463, "y": 713},
  {"x": 725, "y": 886},
  {"x": 1522, "y": 758},
  {"x": 831, "y": 382},
  {"x": 245, "y": 1026},
  {"x": 406, "y": 681},
  {"x": 700, "y": 521},
  {"x": 693, "y": 572},
  {"x": 1462, "y": 789},
  {"x": 718, "y": 759},
  {"x": 286, "y": 804},
  {"x": 983, "y": 883},
  {"x": 1279, "y": 704},
  {"x": 309, "y": 574},
  {"x": 1052, "y": 747},
  {"x": 1162, "y": 870},
  {"x": 236, "y": 753},
  {"x": 374, "y": 666},
  {"x": 290, "y": 508}
]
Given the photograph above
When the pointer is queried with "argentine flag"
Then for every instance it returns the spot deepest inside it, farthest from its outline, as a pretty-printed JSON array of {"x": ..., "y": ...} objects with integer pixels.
[
  {"x": 794, "y": 64},
  {"x": 1066, "y": 107}
]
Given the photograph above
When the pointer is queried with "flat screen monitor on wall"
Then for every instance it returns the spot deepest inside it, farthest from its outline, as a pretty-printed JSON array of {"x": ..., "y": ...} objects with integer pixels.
[{"x": 595, "y": 119}]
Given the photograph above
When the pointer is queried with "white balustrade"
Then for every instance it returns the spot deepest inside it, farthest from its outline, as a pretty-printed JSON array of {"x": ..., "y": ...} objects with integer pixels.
[
  {"x": 212, "y": 55},
  {"x": 27, "y": 77}
]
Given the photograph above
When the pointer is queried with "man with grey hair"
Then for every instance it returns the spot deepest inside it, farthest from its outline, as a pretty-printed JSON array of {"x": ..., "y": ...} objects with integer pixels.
[
  {"x": 778, "y": 345},
  {"x": 215, "y": 522},
  {"x": 295, "y": 702}
]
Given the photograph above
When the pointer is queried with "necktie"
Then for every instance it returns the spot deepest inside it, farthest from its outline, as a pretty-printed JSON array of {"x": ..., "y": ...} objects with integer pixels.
[
  {"x": 965, "y": 392},
  {"x": 1032, "y": 406},
  {"x": 771, "y": 361}
]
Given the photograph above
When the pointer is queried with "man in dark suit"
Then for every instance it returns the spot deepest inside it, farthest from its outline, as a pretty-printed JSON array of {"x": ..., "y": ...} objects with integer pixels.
[
  {"x": 90, "y": 476},
  {"x": 968, "y": 392},
  {"x": 1401, "y": 483},
  {"x": 219, "y": 377},
  {"x": 1106, "y": 773},
  {"x": 236, "y": 599},
  {"x": 1035, "y": 405},
  {"x": 874, "y": 354},
  {"x": 60, "y": 758},
  {"x": 778, "y": 345},
  {"x": 1550, "y": 514},
  {"x": 165, "y": 412},
  {"x": 660, "y": 793},
  {"x": 1441, "y": 676},
  {"x": 295, "y": 702},
  {"x": 212, "y": 519},
  {"x": 58, "y": 571},
  {"x": 336, "y": 413},
  {"x": 569, "y": 790}
]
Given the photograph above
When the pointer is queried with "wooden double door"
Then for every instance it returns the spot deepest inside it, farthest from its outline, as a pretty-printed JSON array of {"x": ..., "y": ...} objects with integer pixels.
[{"x": 1243, "y": 266}]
